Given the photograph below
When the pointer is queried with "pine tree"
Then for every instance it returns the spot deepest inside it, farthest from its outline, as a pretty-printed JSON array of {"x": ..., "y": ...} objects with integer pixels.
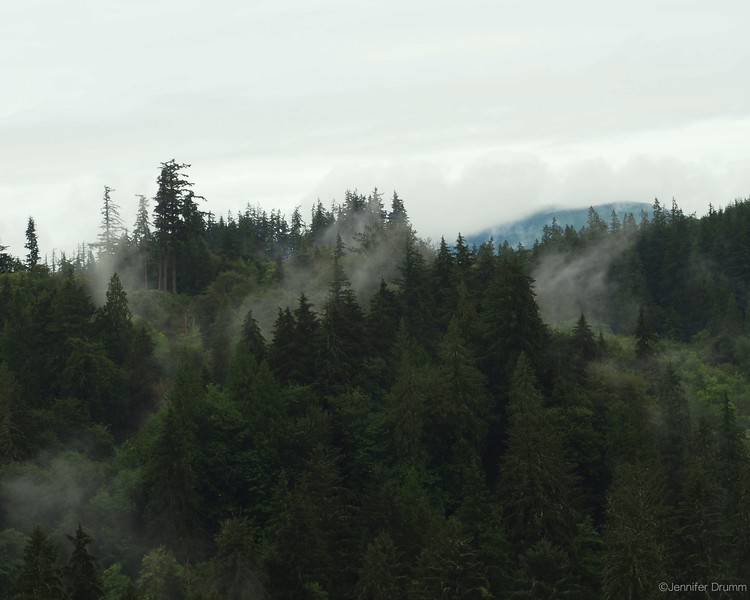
[
  {"x": 380, "y": 576},
  {"x": 170, "y": 485},
  {"x": 583, "y": 341},
  {"x": 536, "y": 481},
  {"x": 176, "y": 218},
  {"x": 236, "y": 570},
  {"x": 397, "y": 217},
  {"x": 644, "y": 337},
  {"x": 114, "y": 320},
  {"x": 40, "y": 578},
  {"x": 142, "y": 237},
  {"x": 252, "y": 337},
  {"x": 32, "y": 245},
  {"x": 84, "y": 582},
  {"x": 111, "y": 224},
  {"x": 306, "y": 342},
  {"x": 281, "y": 354},
  {"x": 635, "y": 552},
  {"x": 511, "y": 321},
  {"x": 159, "y": 578}
]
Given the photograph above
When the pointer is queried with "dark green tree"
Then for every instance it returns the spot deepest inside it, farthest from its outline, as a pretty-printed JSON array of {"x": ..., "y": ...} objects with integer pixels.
[
  {"x": 252, "y": 337},
  {"x": 237, "y": 574},
  {"x": 111, "y": 224},
  {"x": 380, "y": 576},
  {"x": 32, "y": 245},
  {"x": 635, "y": 550},
  {"x": 114, "y": 320},
  {"x": 511, "y": 321},
  {"x": 536, "y": 482},
  {"x": 644, "y": 336},
  {"x": 40, "y": 577},
  {"x": 142, "y": 237},
  {"x": 584, "y": 343},
  {"x": 177, "y": 220},
  {"x": 83, "y": 579}
]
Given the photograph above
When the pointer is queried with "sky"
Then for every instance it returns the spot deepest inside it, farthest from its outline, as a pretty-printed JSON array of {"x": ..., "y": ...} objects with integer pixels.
[{"x": 475, "y": 112}]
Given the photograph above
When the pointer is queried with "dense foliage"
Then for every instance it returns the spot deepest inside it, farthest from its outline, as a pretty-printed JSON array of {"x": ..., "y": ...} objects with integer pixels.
[{"x": 341, "y": 410}]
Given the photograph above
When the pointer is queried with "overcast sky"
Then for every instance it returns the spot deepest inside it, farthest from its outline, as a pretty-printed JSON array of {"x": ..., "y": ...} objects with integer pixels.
[{"x": 476, "y": 112}]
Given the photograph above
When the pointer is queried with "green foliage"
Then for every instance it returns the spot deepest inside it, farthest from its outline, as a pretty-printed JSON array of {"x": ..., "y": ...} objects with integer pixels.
[
  {"x": 83, "y": 580},
  {"x": 159, "y": 577},
  {"x": 40, "y": 575},
  {"x": 427, "y": 437},
  {"x": 635, "y": 549}
]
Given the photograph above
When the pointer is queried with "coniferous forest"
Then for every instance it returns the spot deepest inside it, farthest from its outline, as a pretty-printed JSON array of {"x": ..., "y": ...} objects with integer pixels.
[{"x": 327, "y": 406}]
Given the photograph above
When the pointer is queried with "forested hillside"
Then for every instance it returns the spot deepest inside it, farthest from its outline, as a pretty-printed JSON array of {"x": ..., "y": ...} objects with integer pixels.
[{"x": 251, "y": 407}]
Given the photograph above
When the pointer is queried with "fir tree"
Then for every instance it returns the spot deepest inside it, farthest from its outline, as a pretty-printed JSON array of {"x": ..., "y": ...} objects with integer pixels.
[
  {"x": 40, "y": 577},
  {"x": 32, "y": 245},
  {"x": 84, "y": 582}
]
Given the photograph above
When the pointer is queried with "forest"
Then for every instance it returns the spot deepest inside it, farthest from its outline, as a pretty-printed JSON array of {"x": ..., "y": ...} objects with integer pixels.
[{"x": 328, "y": 408}]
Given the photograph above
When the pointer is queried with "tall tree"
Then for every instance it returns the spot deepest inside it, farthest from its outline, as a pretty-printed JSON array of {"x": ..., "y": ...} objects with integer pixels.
[
  {"x": 84, "y": 582},
  {"x": 174, "y": 214},
  {"x": 236, "y": 567},
  {"x": 142, "y": 237},
  {"x": 635, "y": 552},
  {"x": 536, "y": 481},
  {"x": 511, "y": 320},
  {"x": 115, "y": 321},
  {"x": 32, "y": 245},
  {"x": 111, "y": 224},
  {"x": 39, "y": 578}
]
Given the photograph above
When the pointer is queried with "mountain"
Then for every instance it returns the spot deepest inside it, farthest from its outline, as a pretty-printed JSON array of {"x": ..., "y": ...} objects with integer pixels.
[{"x": 528, "y": 229}]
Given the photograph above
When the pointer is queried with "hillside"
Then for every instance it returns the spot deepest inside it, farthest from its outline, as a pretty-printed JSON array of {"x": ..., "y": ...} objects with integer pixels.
[{"x": 256, "y": 407}]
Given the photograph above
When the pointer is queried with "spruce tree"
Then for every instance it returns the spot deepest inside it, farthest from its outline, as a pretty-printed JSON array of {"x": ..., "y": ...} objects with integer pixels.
[
  {"x": 380, "y": 576},
  {"x": 32, "y": 245},
  {"x": 635, "y": 548},
  {"x": 142, "y": 238},
  {"x": 536, "y": 481},
  {"x": 252, "y": 337},
  {"x": 111, "y": 224},
  {"x": 40, "y": 576},
  {"x": 114, "y": 320},
  {"x": 83, "y": 579}
]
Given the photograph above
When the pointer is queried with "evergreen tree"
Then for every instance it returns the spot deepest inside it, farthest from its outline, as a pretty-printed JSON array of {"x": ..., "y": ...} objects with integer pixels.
[
  {"x": 170, "y": 480},
  {"x": 84, "y": 582},
  {"x": 32, "y": 245},
  {"x": 176, "y": 219},
  {"x": 312, "y": 533},
  {"x": 644, "y": 337},
  {"x": 306, "y": 342},
  {"x": 536, "y": 481},
  {"x": 583, "y": 341},
  {"x": 252, "y": 337},
  {"x": 281, "y": 354},
  {"x": 159, "y": 578},
  {"x": 236, "y": 570},
  {"x": 111, "y": 224},
  {"x": 115, "y": 321},
  {"x": 635, "y": 552},
  {"x": 397, "y": 217},
  {"x": 450, "y": 568},
  {"x": 142, "y": 237},
  {"x": 380, "y": 576},
  {"x": 40, "y": 578},
  {"x": 511, "y": 321}
]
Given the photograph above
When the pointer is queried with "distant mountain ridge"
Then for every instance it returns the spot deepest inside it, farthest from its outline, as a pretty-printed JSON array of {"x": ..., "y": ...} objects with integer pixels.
[{"x": 528, "y": 229}]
